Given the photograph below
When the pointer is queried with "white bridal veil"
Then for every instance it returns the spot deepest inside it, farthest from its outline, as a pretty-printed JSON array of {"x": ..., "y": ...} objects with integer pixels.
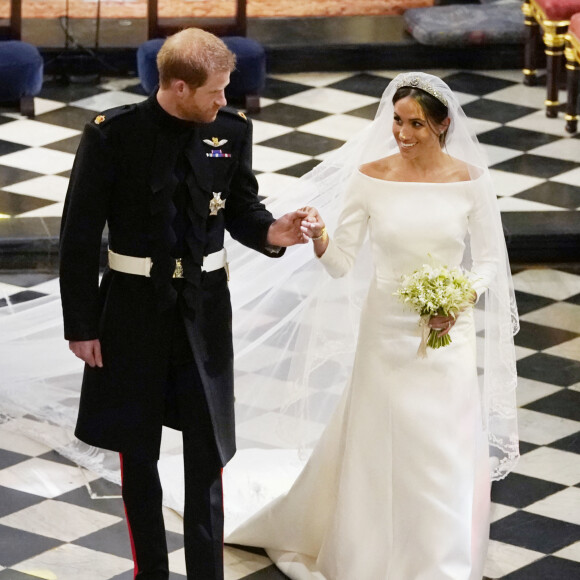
[{"x": 294, "y": 337}]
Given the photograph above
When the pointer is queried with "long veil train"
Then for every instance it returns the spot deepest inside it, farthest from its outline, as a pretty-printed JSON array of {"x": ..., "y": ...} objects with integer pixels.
[
  {"x": 294, "y": 335},
  {"x": 40, "y": 379}
]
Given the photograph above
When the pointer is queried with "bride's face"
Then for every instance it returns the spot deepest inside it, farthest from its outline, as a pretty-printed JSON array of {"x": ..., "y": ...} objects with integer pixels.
[{"x": 414, "y": 134}]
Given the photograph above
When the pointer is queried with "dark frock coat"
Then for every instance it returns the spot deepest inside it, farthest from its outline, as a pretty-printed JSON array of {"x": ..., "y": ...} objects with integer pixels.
[{"x": 125, "y": 176}]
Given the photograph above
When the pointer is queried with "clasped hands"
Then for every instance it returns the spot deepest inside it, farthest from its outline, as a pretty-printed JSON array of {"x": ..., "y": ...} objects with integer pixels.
[
  {"x": 299, "y": 227},
  {"x": 445, "y": 323}
]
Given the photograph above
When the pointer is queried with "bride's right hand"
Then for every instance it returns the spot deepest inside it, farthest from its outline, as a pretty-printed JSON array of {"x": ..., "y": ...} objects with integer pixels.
[{"x": 313, "y": 224}]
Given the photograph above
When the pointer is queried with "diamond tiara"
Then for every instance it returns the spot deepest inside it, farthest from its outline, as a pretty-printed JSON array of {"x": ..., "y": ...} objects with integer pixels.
[{"x": 418, "y": 83}]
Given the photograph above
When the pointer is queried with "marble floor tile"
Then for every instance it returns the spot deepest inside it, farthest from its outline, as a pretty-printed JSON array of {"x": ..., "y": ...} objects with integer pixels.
[
  {"x": 70, "y": 562},
  {"x": 551, "y": 465},
  {"x": 306, "y": 143},
  {"x": 44, "y": 478},
  {"x": 561, "y": 315},
  {"x": 538, "y": 120},
  {"x": 571, "y": 552},
  {"x": 19, "y": 545},
  {"x": 277, "y": 88},
  {"x": 517, "y": 204},
  {"x": 363, "y": 84},
  {"x": 108, "y": 100},
  {"x": 505, "y": 558},
  {"x": 568, "y": 149},
  {"x": 40, "y": 160},
  {"x": 553, "y": 193},
  {"x": 34, "y": 133},
  {"x": 482, "y": 126},
  {"x": 51, "y": 187},
  {"x": 287, "y": 115},
  {"x": 269, "y": 159},
  {"x": 496, "y": 111},
  {"x": 476, "y": 84},
  {"x": 520, "y": 93},
  {"x": 59, "y": 520},
  {"x": 542, "y": 429},
  {"x": 568, "y": 349},
  {"x": 275, "y": 184},
  {"x": 341, "y": 127},
  {"x": 529, "y": 390},
  {"x": 563, "y": 505},
  {"x": 508, "y": 184},
  {"x": 465, "y": 98},
  {"x": 263, "y": 131},
  {"x": 516, "y": 138},
  {"x": 536, "y": 165},
  {"x": 177, "y": 562},
  {"x": 572, "y": 177},
  {"x": 20, "y": 443},
  {"x": 540, "y": 337},
  {"x": 499, "y": 511},
  {"x": 496, "y": 154},
  {"x": 42, "y": 106},
  {"x": 240, "y": 564},
  {"x": 313, "y": 79},
  {"x": 328, "y": 100},
  {"x": 522, "y": 352},
  {"x": 535, "y": 532},
  {"x": 547, "y": 282},
  {"x": 47, "y": 211},
  {"x": 521, "y": 491}
]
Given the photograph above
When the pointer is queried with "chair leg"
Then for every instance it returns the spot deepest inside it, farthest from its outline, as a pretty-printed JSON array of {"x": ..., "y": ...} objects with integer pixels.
[
  {"x": 572, "y": 79},
  {"x": 27, "y": 106},
  {"x": 531, "y": 50},
  {"x": 253, "y": 103},
  {"x": 554, "y": 62}
]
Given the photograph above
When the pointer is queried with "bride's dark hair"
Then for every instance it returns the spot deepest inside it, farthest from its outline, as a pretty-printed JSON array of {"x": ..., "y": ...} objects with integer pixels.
[{"x": 435, "y": 111}]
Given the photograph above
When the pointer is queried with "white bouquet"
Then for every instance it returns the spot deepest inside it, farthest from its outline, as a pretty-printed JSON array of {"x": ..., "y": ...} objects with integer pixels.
[{"x": 439, "y": 291}]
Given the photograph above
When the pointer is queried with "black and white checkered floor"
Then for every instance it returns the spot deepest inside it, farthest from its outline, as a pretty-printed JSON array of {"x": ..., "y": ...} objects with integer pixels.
[{"x": 60, "y": 522}]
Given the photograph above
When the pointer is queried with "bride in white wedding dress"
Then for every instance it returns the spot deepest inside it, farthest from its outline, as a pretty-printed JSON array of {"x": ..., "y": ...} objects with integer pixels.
[{"x": 398, "y": 487}]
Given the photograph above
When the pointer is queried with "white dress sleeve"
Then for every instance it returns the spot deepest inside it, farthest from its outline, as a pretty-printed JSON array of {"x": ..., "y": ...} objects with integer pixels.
[
  {"x": 350, "y": 232},
  {"x": 484, "y": 245}
]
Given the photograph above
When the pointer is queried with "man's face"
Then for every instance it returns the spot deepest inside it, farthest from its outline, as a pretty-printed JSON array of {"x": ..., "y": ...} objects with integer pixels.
[{"x": 202, "y": 104}]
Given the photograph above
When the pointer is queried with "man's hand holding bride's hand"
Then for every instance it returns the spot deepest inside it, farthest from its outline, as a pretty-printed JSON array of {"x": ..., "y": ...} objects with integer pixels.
[
  {"x": 312, "y": 224},
  {"x": 313, "y": 227}
]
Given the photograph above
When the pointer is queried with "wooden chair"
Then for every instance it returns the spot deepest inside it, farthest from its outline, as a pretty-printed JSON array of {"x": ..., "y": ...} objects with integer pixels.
[
  {"x": 218, "y": 26},
  {"x": 572, "y": 53},
  {"x": 13, "y": 30},
  {"x": 551, "y": 18}
]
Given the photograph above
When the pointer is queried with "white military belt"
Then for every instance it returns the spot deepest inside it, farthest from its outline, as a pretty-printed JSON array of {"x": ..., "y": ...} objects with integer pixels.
[{"x": 142, "y": 266}]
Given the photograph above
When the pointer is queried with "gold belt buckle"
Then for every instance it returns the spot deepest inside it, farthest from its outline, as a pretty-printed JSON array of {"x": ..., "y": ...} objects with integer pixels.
[{"x": 178, "y": 272}]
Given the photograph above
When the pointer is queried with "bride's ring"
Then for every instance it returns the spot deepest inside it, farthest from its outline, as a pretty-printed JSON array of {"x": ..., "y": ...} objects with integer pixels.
[{"x": 449, "y": 324}]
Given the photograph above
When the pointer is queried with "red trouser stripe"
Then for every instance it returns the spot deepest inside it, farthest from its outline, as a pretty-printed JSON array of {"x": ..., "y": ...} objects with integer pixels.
[{"x": 129, "y": 526}]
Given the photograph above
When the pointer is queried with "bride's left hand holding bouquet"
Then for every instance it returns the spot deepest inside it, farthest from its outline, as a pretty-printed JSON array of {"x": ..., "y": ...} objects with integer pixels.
[{"x": 436, "y": 291}]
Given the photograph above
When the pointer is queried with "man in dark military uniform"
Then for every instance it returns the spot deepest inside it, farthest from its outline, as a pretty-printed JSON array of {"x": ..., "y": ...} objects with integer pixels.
[{"x": 168, "y": 176}]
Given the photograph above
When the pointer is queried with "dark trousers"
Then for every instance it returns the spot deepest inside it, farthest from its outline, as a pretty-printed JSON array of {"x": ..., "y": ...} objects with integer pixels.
[{"x": 203, "y": 510}]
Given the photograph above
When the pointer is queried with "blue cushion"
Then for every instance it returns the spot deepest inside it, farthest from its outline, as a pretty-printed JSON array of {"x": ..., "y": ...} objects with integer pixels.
[
  {"x": 248, "y": 78},
  {"x": 21, "y": 70},
  {"x": 250, "y": 74},
  {"x": 461, "y": 25},
  {"x": 147, "y": 63}
]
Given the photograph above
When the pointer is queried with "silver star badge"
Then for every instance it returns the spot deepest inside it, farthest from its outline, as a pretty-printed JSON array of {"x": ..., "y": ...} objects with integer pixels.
[{"x": 216, "y": 203}]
